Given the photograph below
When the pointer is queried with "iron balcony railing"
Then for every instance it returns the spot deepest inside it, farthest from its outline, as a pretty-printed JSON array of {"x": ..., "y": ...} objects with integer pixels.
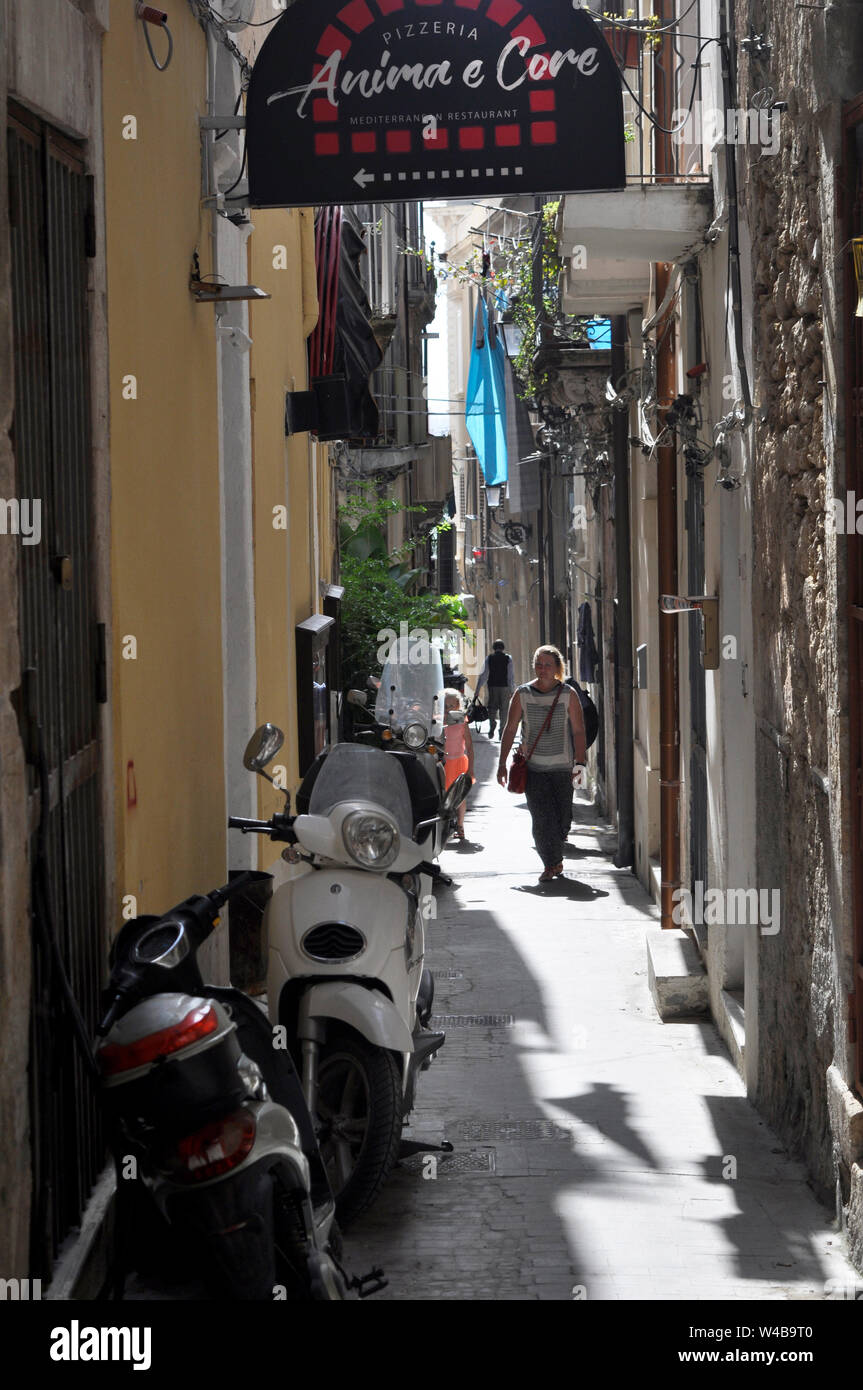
[{"x": 661, "y": 49}]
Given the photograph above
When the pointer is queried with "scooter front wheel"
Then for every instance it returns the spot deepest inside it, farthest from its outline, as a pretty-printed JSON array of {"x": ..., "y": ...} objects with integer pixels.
[{"x": 360, "y": 1117}]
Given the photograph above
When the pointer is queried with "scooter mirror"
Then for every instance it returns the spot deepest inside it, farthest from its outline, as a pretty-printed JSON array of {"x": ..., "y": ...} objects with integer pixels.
[
  {"x": 262, "y": 747},
  {"x": 357, "y": 697},
  {"x": 457, "y": 793}
]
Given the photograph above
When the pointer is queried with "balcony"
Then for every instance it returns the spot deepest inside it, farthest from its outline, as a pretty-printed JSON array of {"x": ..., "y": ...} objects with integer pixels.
[
  {"x": 381, "y": 458},
  {"x": 609, "y": 240}
]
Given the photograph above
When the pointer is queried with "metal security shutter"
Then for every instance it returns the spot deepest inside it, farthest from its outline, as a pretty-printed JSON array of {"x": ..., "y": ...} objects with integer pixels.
[{"x": 49, "y": 216}]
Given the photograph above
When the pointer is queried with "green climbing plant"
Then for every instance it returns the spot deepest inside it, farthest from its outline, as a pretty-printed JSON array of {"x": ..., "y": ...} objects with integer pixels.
[{"x": 382, "y": 588}]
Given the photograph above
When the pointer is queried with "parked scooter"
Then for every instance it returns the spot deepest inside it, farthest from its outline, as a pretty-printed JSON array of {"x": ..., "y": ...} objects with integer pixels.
[
  {"x": 410, "y": 713},
  {"x": 347, "y": 946},
  {"x": 214, "y": 1116}
]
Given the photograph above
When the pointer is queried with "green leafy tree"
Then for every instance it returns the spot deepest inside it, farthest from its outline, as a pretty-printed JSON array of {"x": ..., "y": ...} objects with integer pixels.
[{"x": 382, "y": 588}]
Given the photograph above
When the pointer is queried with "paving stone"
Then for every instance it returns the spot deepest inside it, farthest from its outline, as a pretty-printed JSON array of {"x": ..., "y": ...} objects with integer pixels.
[{"x": 609, "y": 1127}]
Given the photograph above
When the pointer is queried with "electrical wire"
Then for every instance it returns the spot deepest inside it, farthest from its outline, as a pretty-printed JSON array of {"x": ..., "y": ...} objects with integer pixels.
[
  {"x": 160, "y": 67},
  {"x": 206, "y": 15},
  {"x": 673, "y": 130},
  {"x": 221, "y": 133},
  {"x": 242, "y": 171}
]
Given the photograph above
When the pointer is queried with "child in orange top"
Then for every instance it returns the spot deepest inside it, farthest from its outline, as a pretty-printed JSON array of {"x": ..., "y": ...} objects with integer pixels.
[{"x": 459, "y": 747}]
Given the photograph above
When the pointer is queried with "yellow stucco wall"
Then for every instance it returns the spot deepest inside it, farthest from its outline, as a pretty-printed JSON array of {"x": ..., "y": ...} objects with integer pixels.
[
  {"x": 166, "y": 560},
  {"x": 164, "y": 473},
  {"x": 288, "y": 472}
]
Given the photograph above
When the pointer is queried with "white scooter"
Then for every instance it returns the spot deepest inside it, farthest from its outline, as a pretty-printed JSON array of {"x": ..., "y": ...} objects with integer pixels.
[{"x": 346, "y": 931}]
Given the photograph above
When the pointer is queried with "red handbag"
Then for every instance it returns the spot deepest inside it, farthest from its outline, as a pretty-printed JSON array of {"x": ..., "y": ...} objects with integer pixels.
[
  {"x": 518, "y": 768},
  {"x": 517, "y": 773}
]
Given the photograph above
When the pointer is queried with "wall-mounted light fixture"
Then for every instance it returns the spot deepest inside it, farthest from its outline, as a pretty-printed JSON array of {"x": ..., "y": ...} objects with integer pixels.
[
  {"x": 512, "y": 335},
  {"x": 208, "y": 292}
]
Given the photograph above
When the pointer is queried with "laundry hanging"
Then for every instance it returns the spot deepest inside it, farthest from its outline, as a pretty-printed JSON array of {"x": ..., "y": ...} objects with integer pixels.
[{"x": 485, "y": 412}]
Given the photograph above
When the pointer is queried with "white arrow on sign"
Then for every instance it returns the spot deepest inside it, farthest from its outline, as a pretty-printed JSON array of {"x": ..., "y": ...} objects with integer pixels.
[{"x": 362, "y": 178}]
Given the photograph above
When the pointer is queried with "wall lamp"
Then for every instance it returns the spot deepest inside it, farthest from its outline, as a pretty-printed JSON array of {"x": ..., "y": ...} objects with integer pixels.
[{"x": 208, "y": 292}]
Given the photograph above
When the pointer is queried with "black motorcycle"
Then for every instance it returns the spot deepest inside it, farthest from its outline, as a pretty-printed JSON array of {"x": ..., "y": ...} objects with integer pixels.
[{"x": 212, "y": 1137}]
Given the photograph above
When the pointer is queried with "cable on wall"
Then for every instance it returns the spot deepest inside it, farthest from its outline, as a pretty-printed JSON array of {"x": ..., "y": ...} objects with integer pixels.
[{"x": 148, "y": 14}]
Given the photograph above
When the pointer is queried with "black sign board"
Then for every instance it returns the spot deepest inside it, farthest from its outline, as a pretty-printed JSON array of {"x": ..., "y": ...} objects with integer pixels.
[{"x": 411, "y": 99}]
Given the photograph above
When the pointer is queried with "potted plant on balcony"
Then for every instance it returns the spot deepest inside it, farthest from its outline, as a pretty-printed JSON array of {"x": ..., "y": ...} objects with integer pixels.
[{"x": 623, "y": 40}]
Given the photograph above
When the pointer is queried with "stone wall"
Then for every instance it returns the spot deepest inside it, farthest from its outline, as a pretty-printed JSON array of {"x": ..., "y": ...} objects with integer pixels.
[{"x": 787, "y": 199}]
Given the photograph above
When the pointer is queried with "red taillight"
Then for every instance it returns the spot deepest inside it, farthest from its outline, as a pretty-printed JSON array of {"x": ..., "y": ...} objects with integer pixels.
[
  {"x": 117, "y": 1057},
  {"x": 213, "y": 1150}
]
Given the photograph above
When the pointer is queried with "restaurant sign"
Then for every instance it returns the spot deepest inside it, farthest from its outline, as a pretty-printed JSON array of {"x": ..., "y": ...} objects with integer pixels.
[{"x": 415, "y": 99}]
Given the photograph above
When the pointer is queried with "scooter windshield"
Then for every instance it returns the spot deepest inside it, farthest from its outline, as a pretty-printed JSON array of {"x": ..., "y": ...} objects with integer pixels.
[
  {"x": 352, "y": 772},
  {"x": 412, "y": 688}
]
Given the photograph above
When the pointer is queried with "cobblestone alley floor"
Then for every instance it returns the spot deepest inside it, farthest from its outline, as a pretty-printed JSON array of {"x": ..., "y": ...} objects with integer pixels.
[{"x": 590, "y": 1139}]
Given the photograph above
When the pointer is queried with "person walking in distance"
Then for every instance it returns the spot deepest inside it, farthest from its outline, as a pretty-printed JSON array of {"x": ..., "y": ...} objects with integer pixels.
[
  {"x": 499, "y": 676},
  {"x": 554, "y": 743}
]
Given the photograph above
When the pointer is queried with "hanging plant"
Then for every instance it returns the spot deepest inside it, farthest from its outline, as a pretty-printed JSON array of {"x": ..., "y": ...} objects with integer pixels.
[
  {"x": 626, "y": 36},
  {"x": 624, "y": 41}
]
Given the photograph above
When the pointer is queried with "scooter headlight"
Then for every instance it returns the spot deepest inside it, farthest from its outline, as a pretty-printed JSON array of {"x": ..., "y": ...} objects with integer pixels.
[
  {"x": 414, "y": 736},
  {"x": 371, "y": 839}
]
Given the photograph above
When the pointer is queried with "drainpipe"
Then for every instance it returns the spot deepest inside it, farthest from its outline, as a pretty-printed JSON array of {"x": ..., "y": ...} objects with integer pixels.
[
  {"x": 669, "y": 698},
  {"x": 669, "y": 711},
  {"x": 210, "y": 145},
  {"x": 623, "y": 611}
]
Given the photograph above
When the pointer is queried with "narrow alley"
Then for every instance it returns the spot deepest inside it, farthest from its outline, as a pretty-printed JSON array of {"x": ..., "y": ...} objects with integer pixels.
[
  {"x": 597, "y": 1152},
  {"x": 358, "y": 359}
]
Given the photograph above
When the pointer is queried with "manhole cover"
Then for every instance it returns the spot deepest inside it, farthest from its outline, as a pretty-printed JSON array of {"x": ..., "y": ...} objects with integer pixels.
[
  {"x": 473, "y": 1020},
  {"x": 480, "y": 1160},
  {"x": 504, "y": 1130}
]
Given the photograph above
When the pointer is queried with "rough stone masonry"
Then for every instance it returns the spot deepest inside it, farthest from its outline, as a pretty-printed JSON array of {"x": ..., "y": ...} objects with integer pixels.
[{"x": 788, "y": 201}]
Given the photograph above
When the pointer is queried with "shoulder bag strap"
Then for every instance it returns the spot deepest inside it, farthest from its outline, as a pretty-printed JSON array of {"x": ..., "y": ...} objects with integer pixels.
[{"x": 545, "y": 725}]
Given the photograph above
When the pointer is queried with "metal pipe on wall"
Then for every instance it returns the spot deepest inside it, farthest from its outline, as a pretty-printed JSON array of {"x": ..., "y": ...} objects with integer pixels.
[
  {"x": 623, "y": 720},
  {"x": 669, "y": 697},
  {"x": 669, "y": 703}
]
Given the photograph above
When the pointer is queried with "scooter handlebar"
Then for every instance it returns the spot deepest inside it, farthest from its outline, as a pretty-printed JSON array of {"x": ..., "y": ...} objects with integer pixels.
[
  {"x": 236, "y": 885},
  {"x": 278, "y": 827}
]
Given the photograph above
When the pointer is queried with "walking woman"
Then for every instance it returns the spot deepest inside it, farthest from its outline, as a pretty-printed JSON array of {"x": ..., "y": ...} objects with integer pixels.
[{"x": 554, "y": 730}]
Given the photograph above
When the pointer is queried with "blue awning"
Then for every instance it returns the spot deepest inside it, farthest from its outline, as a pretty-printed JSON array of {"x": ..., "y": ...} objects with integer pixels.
[{"x": 485, "y": 412}]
